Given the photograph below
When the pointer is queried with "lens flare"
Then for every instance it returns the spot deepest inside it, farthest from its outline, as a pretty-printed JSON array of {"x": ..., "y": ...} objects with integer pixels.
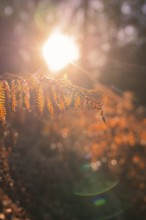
[
  {"x": 93, "y": 183},
  {"x": 59, "y": 50}
]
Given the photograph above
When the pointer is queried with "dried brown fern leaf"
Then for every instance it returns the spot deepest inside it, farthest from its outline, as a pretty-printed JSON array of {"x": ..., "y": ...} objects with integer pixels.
[
  {"x": 67, "y": 99},
  {"x": 83, "y": 98},
  {"x": 54, "y": 97},
  {"x": 2, "y": 103},
  {"x": 60, "y": 98},
  {"x": 32, "y": 81},
  {"x": 61, "y": 103},
  {"x": 13, "y": 95},
  {"x": 26, "y": 96},
  {"x": 2, "y": 113},
  {"x": 51, "y": 100},
  {"x": 39, "y": 100},
  {"x": 78, "y": 102},
  {"x": 40, "y": 93},
  {"x": 8, "y": 96},
  {"x": 7, "y": 89},
  {"x": 92, "y": 98},
  {"x": 56, "y": 103},
  {"x": 50, "y": 107},
  {"x": 19, "y": 92}
]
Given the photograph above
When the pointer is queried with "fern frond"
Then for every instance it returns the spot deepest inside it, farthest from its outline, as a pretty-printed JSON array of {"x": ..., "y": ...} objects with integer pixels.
[
  {"x": 2, "y": 102},
  {"x": 26, "y": 96},
  {"x": 39, "y": 100},
  {"x": 50, "y": 107},
  {"x": 7, "y": 89},
  {"x": 41, "y": 93},
  {"x": 67, "y": 99},
  {"x": 77, "y": 102},
  {"x": 54, "y": 95},
  {"x": 13, "y": 95},
  {"x": 32, "y": 81},
  {"x": 19, "y": 92},
  {"x": 60, "y": 99}
]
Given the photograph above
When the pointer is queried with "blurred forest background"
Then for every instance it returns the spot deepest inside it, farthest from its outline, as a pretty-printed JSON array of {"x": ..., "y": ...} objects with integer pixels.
[{"x": 74, "y": 167}]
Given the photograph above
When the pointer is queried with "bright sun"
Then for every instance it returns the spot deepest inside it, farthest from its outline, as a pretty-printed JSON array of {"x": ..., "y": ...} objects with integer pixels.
[{"x": 59, "y": 50}]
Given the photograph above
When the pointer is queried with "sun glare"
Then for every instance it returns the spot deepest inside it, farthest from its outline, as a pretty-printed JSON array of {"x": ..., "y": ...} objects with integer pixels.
[{"x": 59, "y": 50}]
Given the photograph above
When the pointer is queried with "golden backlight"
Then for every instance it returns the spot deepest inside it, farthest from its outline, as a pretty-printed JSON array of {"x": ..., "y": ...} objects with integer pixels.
[{"x": 59, "y": 50}]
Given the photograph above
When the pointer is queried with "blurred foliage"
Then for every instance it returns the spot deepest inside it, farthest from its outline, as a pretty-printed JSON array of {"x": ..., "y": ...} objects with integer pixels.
[{"x": 52, "y": 159}]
